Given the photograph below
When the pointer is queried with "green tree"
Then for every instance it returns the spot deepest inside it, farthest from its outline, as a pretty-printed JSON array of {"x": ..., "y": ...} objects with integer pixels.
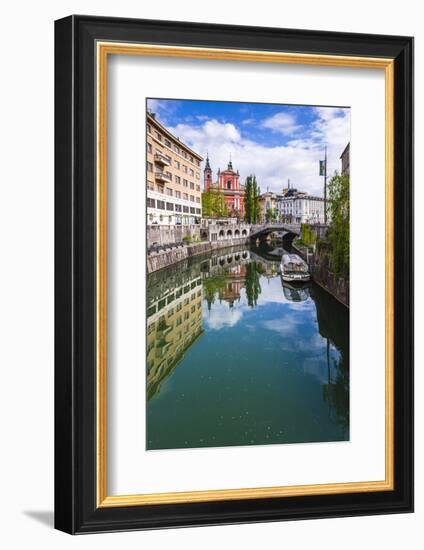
[
  {"x": 338, "y": 232},
  {"x": 213, "y": 204},
  {"x": 270, "y": 215},
  {"x": 251, "y": 200},
  {"x": 307, "y": 234}
]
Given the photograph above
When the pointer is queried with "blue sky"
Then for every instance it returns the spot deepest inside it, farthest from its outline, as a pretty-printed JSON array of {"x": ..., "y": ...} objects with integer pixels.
[{"x": 274, "y": 142}]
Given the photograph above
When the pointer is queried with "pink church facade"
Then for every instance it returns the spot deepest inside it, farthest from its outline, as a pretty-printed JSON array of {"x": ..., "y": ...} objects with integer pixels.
[{"x": 228, "y": 182}]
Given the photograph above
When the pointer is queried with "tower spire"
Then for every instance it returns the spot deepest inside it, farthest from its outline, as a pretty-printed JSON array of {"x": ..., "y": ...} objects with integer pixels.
[{"x": 230, "y": 164}]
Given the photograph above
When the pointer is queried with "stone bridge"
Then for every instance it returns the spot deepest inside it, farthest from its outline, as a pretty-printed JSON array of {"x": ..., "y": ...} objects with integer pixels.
[{"x": 267, "y": 228}]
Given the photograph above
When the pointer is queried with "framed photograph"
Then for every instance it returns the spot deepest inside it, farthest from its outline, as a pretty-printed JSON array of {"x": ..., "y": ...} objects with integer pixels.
[{"x": 234, "y": 269}]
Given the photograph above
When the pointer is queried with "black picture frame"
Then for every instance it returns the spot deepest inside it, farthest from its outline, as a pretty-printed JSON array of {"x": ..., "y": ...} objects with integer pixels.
[{"x": 76, "y": 510}]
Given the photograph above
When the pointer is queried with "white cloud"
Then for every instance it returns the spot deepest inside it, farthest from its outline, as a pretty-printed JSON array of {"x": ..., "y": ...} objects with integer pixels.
[
  {"x": 283, "y": 123},
  {"x": 296, "y": 159},
  {"x": 222, "y": 316},
  {"x": 163, "y": 108}
]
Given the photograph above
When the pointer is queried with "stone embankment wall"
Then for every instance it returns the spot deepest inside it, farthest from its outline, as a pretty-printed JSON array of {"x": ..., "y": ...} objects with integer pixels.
[
  {"x": 322, "y": 274},
  {"x": 165, "y": 258},
  {"x": 319, "y": 264},
  {"x": 169, "y": 234}
]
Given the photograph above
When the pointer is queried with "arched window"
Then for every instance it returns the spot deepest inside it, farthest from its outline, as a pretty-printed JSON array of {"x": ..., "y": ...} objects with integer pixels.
[{"x": 229, "y": 184}]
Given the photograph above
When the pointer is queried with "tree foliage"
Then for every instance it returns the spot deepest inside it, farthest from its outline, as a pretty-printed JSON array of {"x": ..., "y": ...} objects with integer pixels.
[
  {"x": 270, "y": 215},
  {"x": 338, "y": 233},
  {"x": 251, "y": 200},
  {"x": 307, "y": 234},
  {"x": 213, "y": 204}
]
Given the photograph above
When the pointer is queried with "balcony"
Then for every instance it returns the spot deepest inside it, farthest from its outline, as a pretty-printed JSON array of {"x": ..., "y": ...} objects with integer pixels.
[
  {"x": 161, "y": 177},
  {"x": 161, "y": 159}
]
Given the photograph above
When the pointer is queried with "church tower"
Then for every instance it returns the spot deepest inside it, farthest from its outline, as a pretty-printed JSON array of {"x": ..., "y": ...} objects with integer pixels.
[{"x": 207, "y": 175}]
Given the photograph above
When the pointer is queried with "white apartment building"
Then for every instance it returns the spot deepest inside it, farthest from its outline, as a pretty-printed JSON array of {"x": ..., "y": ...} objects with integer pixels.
[{"x": 301, "y": 208}]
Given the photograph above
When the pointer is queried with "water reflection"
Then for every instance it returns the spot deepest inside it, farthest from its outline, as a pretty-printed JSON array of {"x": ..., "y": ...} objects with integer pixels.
[
  {"x": 236, "y": 357},
  {"x": 295, "y": 293}
]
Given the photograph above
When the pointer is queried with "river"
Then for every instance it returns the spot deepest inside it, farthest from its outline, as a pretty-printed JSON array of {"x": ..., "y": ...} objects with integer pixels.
[{"x": 236, "y": 357}]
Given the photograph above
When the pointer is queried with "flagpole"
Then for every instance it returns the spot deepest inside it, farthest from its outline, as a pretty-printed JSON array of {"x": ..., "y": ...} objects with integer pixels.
[{"x": 325, "y": 186}]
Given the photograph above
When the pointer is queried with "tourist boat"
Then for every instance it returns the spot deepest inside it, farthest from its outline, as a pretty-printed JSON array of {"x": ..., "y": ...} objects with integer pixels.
[{"x": 294, "y": 269}]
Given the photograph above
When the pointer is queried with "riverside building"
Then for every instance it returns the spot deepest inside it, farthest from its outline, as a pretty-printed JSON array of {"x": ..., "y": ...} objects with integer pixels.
[
  {"x": 174, "y": 195},
  {"x": 298, "y": 207}
]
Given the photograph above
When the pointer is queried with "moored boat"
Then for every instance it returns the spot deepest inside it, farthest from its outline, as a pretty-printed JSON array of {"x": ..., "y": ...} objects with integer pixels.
[{"x": 293, "y": 268}]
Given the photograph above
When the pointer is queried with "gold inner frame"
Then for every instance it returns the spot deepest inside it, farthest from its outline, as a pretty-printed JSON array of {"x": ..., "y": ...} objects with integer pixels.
[{"x": 104, "y": 49}]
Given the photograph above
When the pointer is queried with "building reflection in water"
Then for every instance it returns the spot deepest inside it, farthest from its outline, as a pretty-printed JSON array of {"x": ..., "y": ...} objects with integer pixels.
[
  {"x": 174, "y": 323},
  {"x": 174, "y": 316}
]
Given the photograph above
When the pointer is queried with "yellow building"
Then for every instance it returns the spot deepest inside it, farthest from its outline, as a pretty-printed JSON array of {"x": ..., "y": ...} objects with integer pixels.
[
  {"x": 174, "y": 195},
  {"x": 268, "y": 201}
]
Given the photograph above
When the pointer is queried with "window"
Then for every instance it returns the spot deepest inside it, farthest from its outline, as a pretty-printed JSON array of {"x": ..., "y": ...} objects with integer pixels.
[
  {"x": 185, "y": 183},
  {"x": 198, "y": 162},
  {"x": 160, "y": 205},
  {"x": 149, "y": 128},
  {"x": 192, "y": 210},
  {"x": 197, "y": 187},
  {"x": 177, "y": 179},
  {"x": 167, "y": 143},
  {"x": 169, "y": 206},
  {"x": 229, "y": 184},
  {"x": 198, "y": 199},
  {"x": 158, "y": 136},
  {"x": 198, "y": 212},
  {"x": 192, "y": 198},
  {"x": 176, "y": 149},
  {"x": 185, "y": 196},
  {"x": 191, "y": 172},
  {"x": 191, "y": 185},
  {"x": 150, "y": 185},
  {"x": 185, "y": 156},
  {"x": 185, "y": 209},
  {"x": 169, "y": 192},
  {"x": 191, "y": 158},
  {"x": 177, "y": 164},
  {"x": 151, "y": 203},
  {"x": 169, "y": 175},
  {"x": 178, "y": 208},
  {"x": 184, "y": 168},
  {"x": 149, "y": 147},
  {"x": 178, "y": 194},
  {"x": 149, "y": 167}
]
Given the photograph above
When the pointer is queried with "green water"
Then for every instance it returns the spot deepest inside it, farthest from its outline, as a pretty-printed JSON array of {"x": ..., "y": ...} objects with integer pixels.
[{"x": 234, "y": 357}]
